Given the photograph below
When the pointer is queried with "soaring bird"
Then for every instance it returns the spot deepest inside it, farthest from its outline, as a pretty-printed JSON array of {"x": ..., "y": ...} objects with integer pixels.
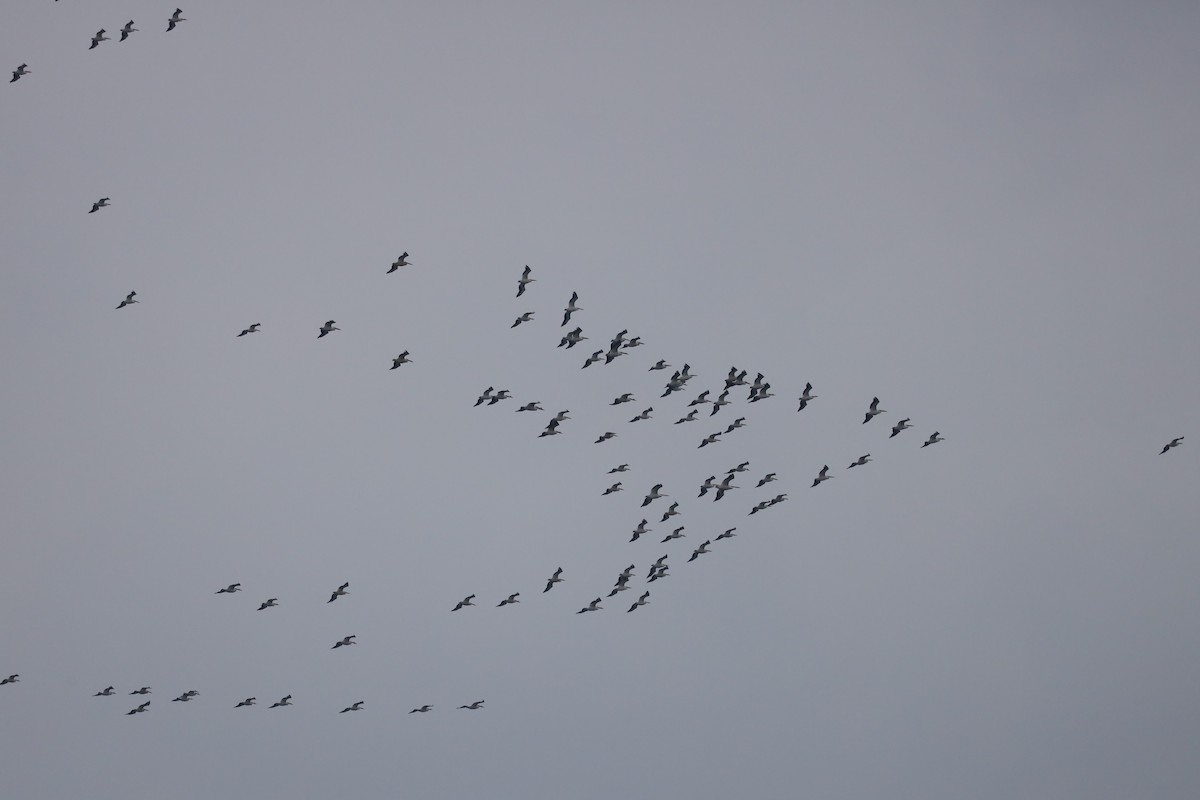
[
  {"x": 230, "y": 589},
  {"x": 808, "y": 395},
  {"x": 740, "y": 422},
  {"x": 534, "y": 406},
  {"x": 345, "y": 642},
  {"x": 128, "y": 301},
  {"x": 98, "y": 38},
  {"x": 99, "y": 204},
  {"x": 466, "y": 601},
  {"x": 701, "y": 398},
  {"x": 710, "y": 439},
  {"x": 286, "y": 700},
  {"x": 249, "y": 701},
  {"x": 175, "y": 19},
  {"x": 1166, "y": 447},
  {"x": 592, "y": 606},
  {"x": 860, "y": 461},
  {"x": 106, "y": 692},
  {"x": 183, "y": 698},
  {"x": 873, "y": 411},
  {"x": 742, "y": 467},
  {"x": 252, "y": 329},
  {"x": 270, "y": 603},
  {"x": 571, "y": 308},
  {"x": 770, "y": 476},
  {"x": 338, "y": 592},
  {"x": 616, "y": 487},
  {"x": 625, "y": 398},
  {"x": 721, "y": 401},
  {"x": 424, "y": 709},
  {"x": 709, "y": 483},
  {"x": 487, "y": 395},
  {"x": 937, "y": 437},
  {"x": 701, "y": 550},
  {"x": 551, "y": 429},
  {"x": 553, "y": 579},
  {"x": 593, "y": 358},
  {"x": 353, "y": 707},
  {"x": 128, "y": 29},
  {"x": 641, "y": 601},
  {"x": 604, "y": 437},
  {"x": 729, "y": 534},
  {"x": 639, "y": 530},
  {"x": 902, "y": 425},
  {"x": 18, "y": 72},
  {"x": 822, "y": 476},
  {"x": 512, "y": 598},
  {"x": 675, "y": 534},
  {"x": 644, "y": 415},
  {"x": 660, "y": 364},
  {"x": 654, "y": 495},
  {"x": 691, "y": 416},
  {"x": 524, "y": 281},
  {"x": 526, "y": 317},
  {"x": 759, "y": 507},
  {"x": 143, "y": 690},
  {"x": 572, "y": 338},
  {"x": 10, "y": 679},
  {"x": 327, "y": 328},
  {"x": 636, "y": 341},
  {"x": 673, "y": 511},
  {"x": 725, "y": 486},
  {"x": 400, "y": 262},
  {"x": 478, "y": 704},
  {"x": 139, "y": 709},
  {"x": 619, "y": 468},
  {"x": 503, "y": 394},
  {"x": 401, "y": 359}
]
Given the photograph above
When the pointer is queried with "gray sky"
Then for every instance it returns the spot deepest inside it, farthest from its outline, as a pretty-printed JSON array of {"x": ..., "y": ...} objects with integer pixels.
[{"x": 983, "y": 213}]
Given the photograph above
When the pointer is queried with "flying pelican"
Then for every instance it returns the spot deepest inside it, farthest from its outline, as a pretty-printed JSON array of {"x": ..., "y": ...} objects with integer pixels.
[
  {"x": 353, "y": 707},
  {"x": 466, "y": 601},
  {"x": 503, "y": 394},
  {"x": 710, "y": 439},
  {"x": 98, "y": 38},
  {"x": 721, "y": 401},
  {"x": 612, "y": 353},
  {"x": 661, "y": 573},
  {"x": 659, "y": 563},
  {"x": 487, "y": 395},
  {"x": 742, "y": 467},
  {"x": 183, "y": 698},
  {"x": 822, "y": 476},
  {"x": 675, "y": 534},
  {"x": 553, "y": 579},
  {"x": 874, "y": 411},
  {"x": 524, "y": 281},
  {"x": 572, "y": 338},
  {"x": 636, "y": 341},
  {"x": 526, "y": 317},
  {"x": 128, "y": 301},
  {"x": 99, "y": 204},
  {"x": 175, "y": 20},
  {"x": 902, "y": 425},
  {"x": 561, "y": 415},
  {"x": 401, "y": 359},
  {"x": 478, "y": 704},
  {"x": 759, "y": 507},
  {"x": 249, "y": 701},
  {"x": 673, "y": 511},
  {"x": 691, "y": 416},
  {"x": 777, "y": 499},
  {"x": 625, "y": 398},
  {"x": 724, "y": 487},
  {"x": 644, "y": 415},
  {"x": 592, "y": 606},
  {"x": 328, "y": 327},
  {"x": 770, "y": 476},
  {"x": 860, "y": 461},
  {"x": 140, "y": 708},
  {"x": 808, "y": 395},
  {"x": 286, "y": 700},
  {"x": 701, "y": 550},
  {"x": 252, "y": 329},
  {"x": 1173, "y": 443},
  {"x": 10, "y": 679},
  {"x": 424, "y": 709},
  {"x": 709, "y": 483},
  {"x": 654, "y": 495},
  {"x": 107, "y": 692},
  {"x": 700, "y": 399},
  {"x": 551, "y": 429},
  {"x": 762, "y": 394},
  {"x": 534, "y": 406},
  {"x": 345, "y": 642},
  {"x": 937, "y": 437},
  {"x": 641, "y": 601},
  {"x": 604, "y": 437},
  {"x": 512, "y": 598},
  {"x": 571, "y": 308},
  {"x": 621, "y": 586},
  {"x": 341, "y": 590},
  {"x": 128, "y": 29},
  {"x": 230, "y": 589},
  {"x": 18, "y": 72},
  {"x": 660, "y": 364},
  {"x": 271, "y": 603},
  {"x": 143, "y": 690},
  {"x": 593, "y": 358},
  {"x": 729, "y": 534},
  {"x": 616, "y": 487},
  {"x": 740, "y": 422},
  {"x": 619, "y": 468},
  {"x": 639, "y": 530}
]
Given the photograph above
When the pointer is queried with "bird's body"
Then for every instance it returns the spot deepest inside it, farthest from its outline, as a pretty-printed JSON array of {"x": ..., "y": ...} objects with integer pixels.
[
  {"x": 466, "y": 601},
  {"x": 339, "y": 592},
  {"x": 286, "y": 700},
  {"x": 252, "y": 329},
  {"x": 424, "y": 709},
  {"x": 740, "y": 422},
  {"x": 129, "y": 300},
  {"x": 822, "y": 476},
  {"x": 639, "y": 530},
  {"x": 709, "y": 483},
  {"x": 402, "y": 261},
  {"x": 526, "y": 317},
  {"x": 641, "y": 601},
  {"x": 128, "y": 29},
  {"x": 673, "y": 511},
  {"x": 249, "y": 701},
  {"x": 553, "y": 579},
  {"x": 710, "y": 439},
  {"x": 106, "y": 692},
  {"x": 327, "y": 328},
  {"x": 230, "y": 589},
  {"x": 806, "y": 397},
  {"x": 487, "y": 395},
  {"x": 270, "y": 603},
  {"x": 625, "y": 398},
  {"x": 1173, "y": 443},
  {"x": 873, "y": 411},
  {"x": 143, "y": 690},
  {"x": 140, "y": 708},
  {"x": 175, "y": 19},
  {"x": 478, "y": 704},
  {"x": 654, "y": 495},
  {"x": 729, "y": 534},
  {"x": 14, "y": 678},
  {"x": 401, "y": 359},
  {"x": 512, "y": 598},
  {"x": 99, "y": 204},
  {"x": 98, "y": 38},
  {"x": 690, "y": 417},
  {"x": 592, "y": 606},
  {"x": 570, "y": 309},
  {"x": 860, "y": 461},
  {"x": 18, "y": 72},
  {"x": 725, "y": 486},
  {"x": 701, "y": 550},
  {"x": 604, "y": 437},
  {"x": 616, "y": 487},
  {"x": 524, "y": 281},
  {"x": 937, "y": 437},
  {"x": 902, "y": 425},
  {"x": 660, "y": 364},
  {"x": 675, "y": 534},
  {"x": 534, "y": 406},
  {"x": 353, "y": 707},
  {"x": 345, "y": 642},
  {"x": 644, "y": 415},
  {"x": 770, "y": 476}
]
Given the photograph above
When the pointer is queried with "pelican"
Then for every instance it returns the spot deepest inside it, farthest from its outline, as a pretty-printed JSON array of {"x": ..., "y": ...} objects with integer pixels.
[
  {"x": 616, "y": 487},
  {"x": 626, "y": 573},
  {"x": 691, "y": 416},
  {"x": 701, "y": 550},
  {"x": 478, "y": 704},
  {"x": 654, "y": 495},
  {"x": 722, "y": 400},
  {"x": 724, "y": 487},
  {"x": 128, "y": 301},
  {"x": 10, "y": 679},
  {"x": 729, "y": 534},
  {"x": 249, "y": 701},
  {"x": 675, "y": 534},
  {"x": 659, "y": 563},
  {"x": 742, "y": 467},
  {"x": 353, "y": 707},
  {"x": 641, "y": 601},
  {"x": 593, "y": 358},
  {"x": 636, "y": 341},
  {"x": 604, "y": 437},
  {"x": 709, "y": 483},
  {"x": 644, "y": 415},
  {"x": 524, "y": 281},
  {"x": 937, "y": 437},
  {"x": 327, "y": 328},
  {"x": 286, "y": 700},
  {"x": 424, "y": 709},
  {"x": 140, "y": 708},
  {"x": 175, "y": 19},
  {"x": 770, "y": 476},
  {"x": 18, "y": 72},
  {"x": 673, "y": 385},
  {"x": 777, "y": 499},
  {"x": 619, "y": 468},
  {"x": 106, "y": 692},
  {"x": 661, "y": 573},
  {"x": 700, "y": 399},
  {"x": 759, "y": 507},
  {"x": 466, "y": 601},
  {"x": 710, "y": 439},
  {"x": 401, "y": 359},
  {"x": 625, "y": 398},
  {"x": 183, "y": 698},
  {"x": 1166, "y": 447},
  {"x": 808, "y": 395},
  {"x": 345, "y": 642},
  {"x": 340, "y": 591},
  {"x": 660, "y": 364},
  {"x": 860, "y": 461},
  {"x": 570, "y": 309},
  {"x": 561, "y": 415},
  {"x": 252, "y": 329},
  {"x": 551, "y": 430},
  {"x": 128, "y": 29},
  {"x": 526, "y": 317},
  {"x": 534, "y": 406},
  {"x": 572, "y": 338},
  {"x": 673, "y": 511},
  {"x": 621, "y": 586},
  {"x": 487, "y": 395},
  {"x": 503, "y": 394},
  {"x": 592, "y": 606},
  {"x": 98, "y": 38},
  {"x": 639, "y": 530},
  {"x": 230, "y": 589},
  {"x": 822, "y": 476},
  {"x": 902, "y": 425},
  {"x": 612, "y": 353},
  {"x": 143, "y": 690},
  {"x": 740, "y": 422},
  {"x": 762, "y": 394},
  {"x": 512, "y": 598},
  {"x": 270, "y": 603},
  {"x": 874, "y": 411},
  {"x": 553, "y": 579},
  {"x": 99, "y": 204}
]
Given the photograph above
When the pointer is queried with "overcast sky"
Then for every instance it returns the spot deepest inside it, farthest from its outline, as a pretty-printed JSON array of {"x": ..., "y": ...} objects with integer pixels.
[{"x": 982, "y": 213}]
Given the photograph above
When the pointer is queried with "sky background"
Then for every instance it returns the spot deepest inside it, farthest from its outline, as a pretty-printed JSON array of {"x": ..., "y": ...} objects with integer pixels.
[{"x": 983, "y": 213}]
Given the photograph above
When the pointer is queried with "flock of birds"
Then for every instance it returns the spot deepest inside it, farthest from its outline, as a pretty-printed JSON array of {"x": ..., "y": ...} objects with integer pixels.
[{"x": 99, "y": 37}]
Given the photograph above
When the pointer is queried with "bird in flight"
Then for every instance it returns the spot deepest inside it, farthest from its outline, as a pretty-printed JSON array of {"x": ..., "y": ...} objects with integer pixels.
[
  {"x": 338, "y": 592},
  {"x": 641, "y": 601},
  {"x": 604, "y": 437},
  {"x": 421, "y": 710},
  {"x": 270, "y": 603},
  {"x": 570, "y": 309},
  {"x": 512, "y": 598},
  {"x": 401, "y": 359},
  {"x": 553, "y": 579},
  {"x": 526, "y": 317},
  {"x": 873, "y": 411},
  {"x": 327, "y": 328},
  {"x": 353, "y": 707},
  {"x": 99, "y": 204},
  {"x": 252, "y": 329},
  {"x": 466, "y": 601},
  {"x": 808, "y": 395},
  {"x": 143, "y": 690},
  {"x": 400, "y": 262},
  {"x": 249, "y": 701},
  {"x": 345, "y": 642},
  {"x": 860, "y": 461},
  {"x": 592, "y": 606},
  {"x": 478, "y": 704},
  {"x": 106, "y": 692},
  {"x": 98, "y": 38},
  {"x": 822, "y": 476},
  {"x": 175, "y": 19},
  {"x": 902, "y": 425},
  {"x": 524, "y": 281},
  {"x": 10, "y": 679},
  {"x": 937, "y": 437},
  {"x": 128, "y": 301},
  {"x": 139, "y": 709},
  {"x": 18, "y": 72},
  {"x": 230, "y": 589},
  {"x": 128, "y": 29},
  {"x": 1166, "y": 447},
  {"x": 286, "y": 700}
]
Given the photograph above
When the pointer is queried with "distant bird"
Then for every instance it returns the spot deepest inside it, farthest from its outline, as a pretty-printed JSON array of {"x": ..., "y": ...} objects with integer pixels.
[
  {"x": 524, "y": 281},
  {"x": 673, "y": 511},
  {"x": 725, "y": 486},
  {"x": 339, "y": 592},
  {"x": 271, "y": 603},
  {"x": 466, "y": 601},
  {"x": 106, "y": 692},
  {"x": 619, "y": 468},
  {"x": 553, "y": 579},
  {"x": 710, "y": 439},
  {"x": 286, "y": 700},
  {"x": 691, "y": 416},
  {"x": 822, "y": 476},
  {"x": 526, "y": 317},
  {"x": 860, "y": 461},
  {"x": 139, "y": 709},
  {"x": 658, "y": 564},
  {"x": 345, "y": 642},
  {"x": 249, "y": 701},
  {"x": 572, "y": 338},
  {"x": 625, "y": 398},
  {"x": 721, "y": 401},
  {"x": 487, "y": 395},
  {"x": 660, "y": 364},
  {"x": 128, "y": 29},
  {"x": 616, "y": 487},
  {"x": 644, "y": 415},
  {"x": 327, "y": 328},
  {"x": 230, "y": 589},
  {"x": 709, "y": 483},
  {"x": 98, "y": 38},
  {"x": 660, "y": 573},
  {"x": 808, "y": 395},
  {"x": 424, "y": 709},
  {"x": 729, "y": 534},
  {"x": 700, "y": 399},
  {"x": 128, "y": 301},
  {"x": 626, "y": 573},
  {"x": 592, "y": 606},
  {"x": 551, "y": 429},
  {"x": 701, "y": 550},
  {"x": 759, "y": 507},
  {"x": 18, "y": 72},
  {"x": 478, "y": 704},
  {"x": 604, "y": 437},
  {"x": 353, "y": 707},
  {"x": 570, "y": 309},
  {"x": 777, "y": 499},
  {"x": 175, "y": 19},
  {"x": 654, "y": 495},
  {"x": 641, "y": 601},
  {"x": 742, "y": 467},
  {"x": 902, "y": 425},
  {"x": 593, "y": 358},
  {"x": 762, "y": 394},
  {"x": 561, "y": 415},
  {"x": 1166, "y": 447},
  {"x": 503, "y": 394},
  {"x": 621, "y": 586},
  {"x": 534, "y": 406},
  {"x": 401, "y": 359},
  {"x": 675, "y": 534},
  {"x": 636, "y": 341},
  {"x": 937, "y": 437},
  {"x": 639, "y": 530},
  {"x": 874, "y": 411},
  {"x": 770, "y": 476},
  {"x": 183, "y": 698},
  {"x": 252, "y": 329},
  {"x": 740, "y": 422},
  {"x": 143, "y": 690},
  {"x": 10, "y": 679},
  {"x": 99, "y": 204},
  {"x": 512, "y": 598}
]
